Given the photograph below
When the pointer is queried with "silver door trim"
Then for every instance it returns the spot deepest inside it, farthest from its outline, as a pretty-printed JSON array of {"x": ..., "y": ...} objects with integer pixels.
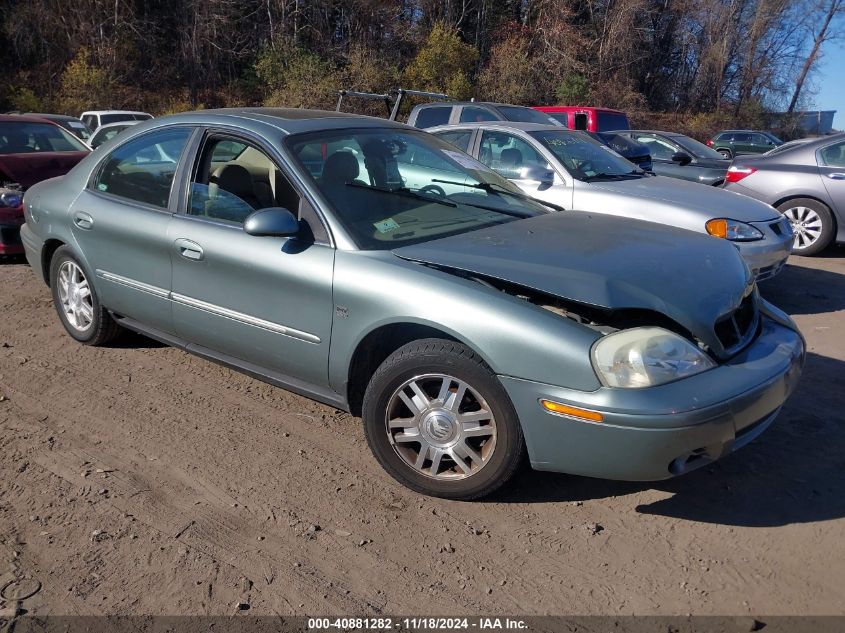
[
  {"x": 226, "y": 313},
  {"x": 135, "y": 285},
  {"x": 211, "y": 308}
]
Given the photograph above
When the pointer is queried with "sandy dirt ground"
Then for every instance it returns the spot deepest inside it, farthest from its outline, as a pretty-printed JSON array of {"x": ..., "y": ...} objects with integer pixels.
[{"x": 137, "y": 479}]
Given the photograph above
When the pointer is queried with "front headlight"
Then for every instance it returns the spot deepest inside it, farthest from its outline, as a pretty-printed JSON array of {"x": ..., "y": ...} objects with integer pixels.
[
  {"x": 11, "y": 199},
  {"x": 733, "y": 230},
  {"x": 646, "y": 357}
]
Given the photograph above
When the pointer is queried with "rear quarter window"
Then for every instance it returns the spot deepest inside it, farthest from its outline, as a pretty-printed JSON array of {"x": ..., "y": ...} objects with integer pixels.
[{"x": 429, "y": 117}]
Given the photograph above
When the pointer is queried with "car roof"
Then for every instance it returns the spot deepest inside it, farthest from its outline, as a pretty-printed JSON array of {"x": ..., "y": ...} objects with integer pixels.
[
  {"x": 493, "y": 104},
  {"x": 286, "y": 120},
  {"x": 115, "y": 112},
  {"x": 26, "y": 118},
  {"x": 663, "y": 132},
  {"x": 514, "y": 125},
  {"x": 57, "y": 117},
  {"x": 566, "y": 108},
  {"x": 116, "y": 124}
]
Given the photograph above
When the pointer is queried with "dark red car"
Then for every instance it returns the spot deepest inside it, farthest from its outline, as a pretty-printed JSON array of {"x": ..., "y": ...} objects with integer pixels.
[{"x": 31, "y": 150}]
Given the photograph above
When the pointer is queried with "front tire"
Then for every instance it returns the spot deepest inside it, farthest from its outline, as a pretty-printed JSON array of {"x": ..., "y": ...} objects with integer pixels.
[
  {"x": 812, "y": 223},
  {"x": 76, "y": 301},
  {"x": 439, "y": 421}
]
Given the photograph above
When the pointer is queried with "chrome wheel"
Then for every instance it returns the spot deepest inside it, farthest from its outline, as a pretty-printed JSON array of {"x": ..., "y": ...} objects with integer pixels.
[
  {"x": 806, "y": 224},
  {"x": 441, "y": 427},
  {"x": 75, "y": 297}
]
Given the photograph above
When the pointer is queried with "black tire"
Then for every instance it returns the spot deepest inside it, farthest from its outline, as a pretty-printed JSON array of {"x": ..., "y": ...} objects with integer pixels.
[
  {"x": 102, "y": 328},
  {"x": 828, "y": 225},
  {"x": 725, "y": 152},
  {"x": 437, "y": 356}
]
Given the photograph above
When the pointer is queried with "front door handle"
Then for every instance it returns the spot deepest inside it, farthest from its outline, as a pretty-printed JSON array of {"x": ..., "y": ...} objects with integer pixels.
[
  {"x": 836, "y": 176},
  {"x": 189, "y": 250},
  {"x": 83, "y": 220}
]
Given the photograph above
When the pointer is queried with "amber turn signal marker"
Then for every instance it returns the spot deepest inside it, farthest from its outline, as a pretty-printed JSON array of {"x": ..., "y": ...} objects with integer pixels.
[
  {"x": 717, "y": 227},
  {"x": 575, "y": 412}
]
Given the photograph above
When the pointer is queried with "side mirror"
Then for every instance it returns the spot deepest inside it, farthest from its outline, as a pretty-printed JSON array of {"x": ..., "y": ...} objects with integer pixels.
[
  {"x": 271, "y": 222},
  {"x": 682, "y": 158},
  {"x": 543, "y": 175}
]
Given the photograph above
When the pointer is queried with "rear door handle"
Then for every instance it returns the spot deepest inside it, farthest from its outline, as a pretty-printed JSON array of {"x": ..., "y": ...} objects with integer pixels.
[
  {"x": 836, "y": 176},
  {"x": 83, "y": 220},
  {"x": 189, "y": 249}
]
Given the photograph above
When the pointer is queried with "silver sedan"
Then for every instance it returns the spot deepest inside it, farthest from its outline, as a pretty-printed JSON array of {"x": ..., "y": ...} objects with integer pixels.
[{"x": 572, "y": 170}]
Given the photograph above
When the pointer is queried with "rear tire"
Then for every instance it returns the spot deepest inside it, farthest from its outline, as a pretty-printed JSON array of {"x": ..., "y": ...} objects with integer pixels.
[
  {"x": 439, "y": 421},
  {"x": 76, "y": 301},
  {"x": 726, "y": 153},
  {"x": 813, "y": 225}
]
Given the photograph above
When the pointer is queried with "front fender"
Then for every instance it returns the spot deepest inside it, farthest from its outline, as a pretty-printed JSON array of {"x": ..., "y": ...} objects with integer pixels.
[{"x": 514, "y": 337}]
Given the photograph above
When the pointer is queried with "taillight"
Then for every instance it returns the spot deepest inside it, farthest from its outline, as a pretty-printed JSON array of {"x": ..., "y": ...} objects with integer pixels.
[
  {"x": 710, "y": 142},
  {"x": 736, "y": 173}
]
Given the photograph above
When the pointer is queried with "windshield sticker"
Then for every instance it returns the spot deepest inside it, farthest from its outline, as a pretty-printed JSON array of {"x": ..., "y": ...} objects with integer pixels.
[
  {"x": 386, "y": 226},
  {"x": 464, "y": 161}
]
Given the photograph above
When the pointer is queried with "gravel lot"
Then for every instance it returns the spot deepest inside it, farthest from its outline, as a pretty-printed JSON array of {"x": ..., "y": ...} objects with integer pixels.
[{"x": 139, "y": 480}]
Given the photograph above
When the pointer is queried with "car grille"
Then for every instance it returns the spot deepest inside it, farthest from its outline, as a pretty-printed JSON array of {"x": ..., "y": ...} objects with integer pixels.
[{"x": 736, "y": 329}]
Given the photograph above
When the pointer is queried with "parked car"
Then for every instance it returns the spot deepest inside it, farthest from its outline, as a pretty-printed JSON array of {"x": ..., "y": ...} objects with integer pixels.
[
  {"x": 679, "y": 156},
  {"x": 787, "y": 145},
  {"x": 570, "y": 169},
  {"x": 806, "y": 183},
  {"x": 109, "y": 131},
  {"x": 70, "y": 123},
  {"x": 627, "y": 148},
  {"x": 466, "y": 323},
  {"x": 96, "y": 118},
  {"x": 440, "y": 113},
  {"x": 730, "y": 143},
  {"x": 31, "y": 150},
  {"x": 587, "y": 118}
]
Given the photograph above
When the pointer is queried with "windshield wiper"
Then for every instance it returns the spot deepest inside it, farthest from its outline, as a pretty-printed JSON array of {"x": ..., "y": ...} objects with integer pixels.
[
  {"x": 492, "y": 187},
  {"x": 403, "y": 191}
]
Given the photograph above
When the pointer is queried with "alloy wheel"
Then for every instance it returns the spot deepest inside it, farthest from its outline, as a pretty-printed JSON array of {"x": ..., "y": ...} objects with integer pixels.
[
  {"x": 75, "y": 296},
  {"x": 441, "y": 427},
  {"x": 806, "y": 224}
]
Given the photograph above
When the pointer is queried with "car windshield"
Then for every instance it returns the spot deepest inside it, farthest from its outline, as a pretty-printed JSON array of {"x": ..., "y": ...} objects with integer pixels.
[
  {"x": 527, "y": 115},
  {"x": 585, "y": 158},
  {"x": 773, "y": 137},
  {"x": 699, "y": 150},
  {"x": 394, "y": 187},
  {"x": 27, "y": 138}
]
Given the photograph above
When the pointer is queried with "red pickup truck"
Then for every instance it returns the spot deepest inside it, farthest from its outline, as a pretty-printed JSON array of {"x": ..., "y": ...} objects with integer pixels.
[
  {"x": 587, "y": 118},
  {"x": 31, "y": 150}
]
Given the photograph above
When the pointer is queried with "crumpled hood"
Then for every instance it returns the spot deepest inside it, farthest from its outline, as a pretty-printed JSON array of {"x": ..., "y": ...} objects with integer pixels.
[
  {"x": 605, "y": 261},
  {"x": 711, "y": 201}
]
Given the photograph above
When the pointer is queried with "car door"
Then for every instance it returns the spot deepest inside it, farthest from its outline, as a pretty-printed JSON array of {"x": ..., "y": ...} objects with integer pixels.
[
  {"x": 742, "y": 143},
  {"x": 831, "y": 161},
  {"x": 265, "y": 302},
  {"x": 120, "y": 222},
  {"x": 517, "y": 159}
]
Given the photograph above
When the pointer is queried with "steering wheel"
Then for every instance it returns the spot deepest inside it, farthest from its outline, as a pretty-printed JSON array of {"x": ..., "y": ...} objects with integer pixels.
[{"x": 435, "y": 189}]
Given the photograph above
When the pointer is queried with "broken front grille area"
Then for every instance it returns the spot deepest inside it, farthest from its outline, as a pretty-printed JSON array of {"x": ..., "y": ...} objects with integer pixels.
[{"x": 736, "y": 329}]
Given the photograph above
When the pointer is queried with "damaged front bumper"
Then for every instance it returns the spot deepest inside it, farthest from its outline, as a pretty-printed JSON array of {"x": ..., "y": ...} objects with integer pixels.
[{"x": 660, "y": 432}]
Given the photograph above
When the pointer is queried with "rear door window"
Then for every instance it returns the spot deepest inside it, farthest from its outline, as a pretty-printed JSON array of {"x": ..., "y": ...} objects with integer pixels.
[
  {"x": 143, "y": 169},
  {"x": 609, "y": 121},
  {"x": 429, "y": 117}
]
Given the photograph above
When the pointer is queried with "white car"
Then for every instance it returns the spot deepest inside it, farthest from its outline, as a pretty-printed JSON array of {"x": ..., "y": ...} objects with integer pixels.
[
  {"x": 108, "y": 131},
  {"x": 96, "y": 118}
]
